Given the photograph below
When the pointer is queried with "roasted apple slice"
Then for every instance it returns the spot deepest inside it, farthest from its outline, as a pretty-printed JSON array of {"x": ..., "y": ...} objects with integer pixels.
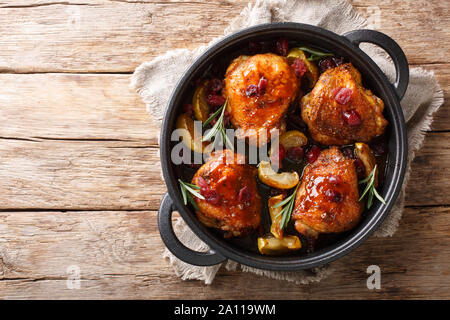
[
  {"x": 272, "y": 246},
  {"x": 190, "y": 136},
  {"x": 283, "y": 180},
  {"x": 275, "y": 216},
  {"x": 293, "y": 139},
  {"x": 365, "y": 154},
  {"x": 199, "y": 103}
]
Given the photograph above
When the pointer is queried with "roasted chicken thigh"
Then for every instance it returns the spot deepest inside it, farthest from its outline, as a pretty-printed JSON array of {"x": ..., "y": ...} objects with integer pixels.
[
  {"x": 327, "y": 199},
  {"x": 259, "y": 90},
  {"x": 232, "y": 202},
  {"x": 339, "y": 110}
]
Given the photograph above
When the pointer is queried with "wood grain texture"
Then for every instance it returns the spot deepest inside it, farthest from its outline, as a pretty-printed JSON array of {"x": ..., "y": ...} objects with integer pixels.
[
  {"x": 79, "y": 164},
  {"x": 442, "y": 73},
  {"x": 119, "y": 256},
  {"x": 103, "y": 106},
  {"x": 116, "y": 36},
  {"x": 73, "y": 106},
  {"x": 115, "y": 175},
  {"x": 95, "y": 175},
  {"x": 430, "y": 172},
  {"x": 104, "y": 36}
]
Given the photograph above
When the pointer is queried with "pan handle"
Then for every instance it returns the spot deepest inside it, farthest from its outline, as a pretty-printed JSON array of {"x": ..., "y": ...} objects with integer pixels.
[
  {"x": 392, "y": 48},
  {"x": 175, "y": 246}
]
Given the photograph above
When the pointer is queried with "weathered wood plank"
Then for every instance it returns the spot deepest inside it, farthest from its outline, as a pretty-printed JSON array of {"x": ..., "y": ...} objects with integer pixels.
[
  {"x": 119, "y": 256},
  {"x": 121, "y": 175},
  {"x": 99, "y": 36},
  {"x": 78, "y": 106},
  {"x": 119, "y": 252},
  {"x": 72, "y": 106},
  {"x": 441, "y": 119},
  {"x": 104, "y": 37},
  {"x": 93, "y": 175},
  {"x": 429, "y": 184}
]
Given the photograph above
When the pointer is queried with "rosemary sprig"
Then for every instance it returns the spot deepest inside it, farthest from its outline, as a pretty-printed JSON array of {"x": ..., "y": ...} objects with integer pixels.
[
  {"x": 215, "y": 114},
  {"x": 286, "y": 212},
  {"x": 315, "y": 54},
  {"x": 218, "y": 130},
  {"x": 370, "y": 189},
  {"x": 186, "y": 190}
]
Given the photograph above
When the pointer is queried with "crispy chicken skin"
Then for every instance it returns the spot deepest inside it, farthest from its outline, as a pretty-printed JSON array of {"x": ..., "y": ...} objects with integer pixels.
[
  {"x": 256, "y": 115},
  {"x": 324, "y": 115},
  {"x": 227, "y": 174},
  {"x": 327, "y": 199}
]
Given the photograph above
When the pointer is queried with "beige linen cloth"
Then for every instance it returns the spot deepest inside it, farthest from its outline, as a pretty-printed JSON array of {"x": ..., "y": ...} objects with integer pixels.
[{"x": 155, "y": 80}]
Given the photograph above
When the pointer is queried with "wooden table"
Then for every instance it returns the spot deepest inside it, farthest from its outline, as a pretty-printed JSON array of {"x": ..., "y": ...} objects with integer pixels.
[{"x": 79, "y": 167}]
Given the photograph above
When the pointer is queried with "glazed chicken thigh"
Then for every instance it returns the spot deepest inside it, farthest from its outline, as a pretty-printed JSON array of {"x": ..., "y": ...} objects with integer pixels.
[
  {"x": 327, "y": 199},
  {"x": 259, "y": 90},
  {"x": 232, "y": 202},
  {"x": 339, "y": 110}
]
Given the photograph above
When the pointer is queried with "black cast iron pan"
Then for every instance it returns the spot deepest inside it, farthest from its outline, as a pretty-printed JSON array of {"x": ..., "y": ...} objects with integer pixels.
[{"x": 346, "y": 46}]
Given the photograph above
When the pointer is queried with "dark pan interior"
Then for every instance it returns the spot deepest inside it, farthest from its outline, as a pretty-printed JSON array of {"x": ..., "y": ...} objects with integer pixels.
[{"x": 233, "y": 46}]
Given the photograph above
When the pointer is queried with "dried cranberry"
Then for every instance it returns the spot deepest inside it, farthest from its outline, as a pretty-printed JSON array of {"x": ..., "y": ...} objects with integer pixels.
[
  {"x": 282, "y": 47},
  {"x": 213, "y": 110},
  {"x": 211, "y": 196},
  {"x": 348, "y": 152},
  {"x": 213, "y": 121},
  {"x": 278, "y": 158},
  {"x": 226, "y": 118},
  {"x": 326, "y": 63},
  {"x": 299, "y": 67},
  {"x": 201, "y": 182},
  {"x": 215, "y": 100},
  {"x": 338, "y": 60},
  {"x": 262, "y": 85},
  {"x": 295, "y": 154},
  {"x": 352, "y": 117},
  {"x": 245, "y": 194},
  {"x": 334, "y": 195},
  {"x": 335, "y": 91},
  {"x": 187, "y": 108},
  {"x": 251, "y": 90},
  {"x": 281, "y": 153},
  {"x": 360, "y": 168},
  {"x": 215, "y": 85},
  {"x": 335, "y": 180},
  {"x": 343, "y": 96},
  {"x": 312, "y": 154}
]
